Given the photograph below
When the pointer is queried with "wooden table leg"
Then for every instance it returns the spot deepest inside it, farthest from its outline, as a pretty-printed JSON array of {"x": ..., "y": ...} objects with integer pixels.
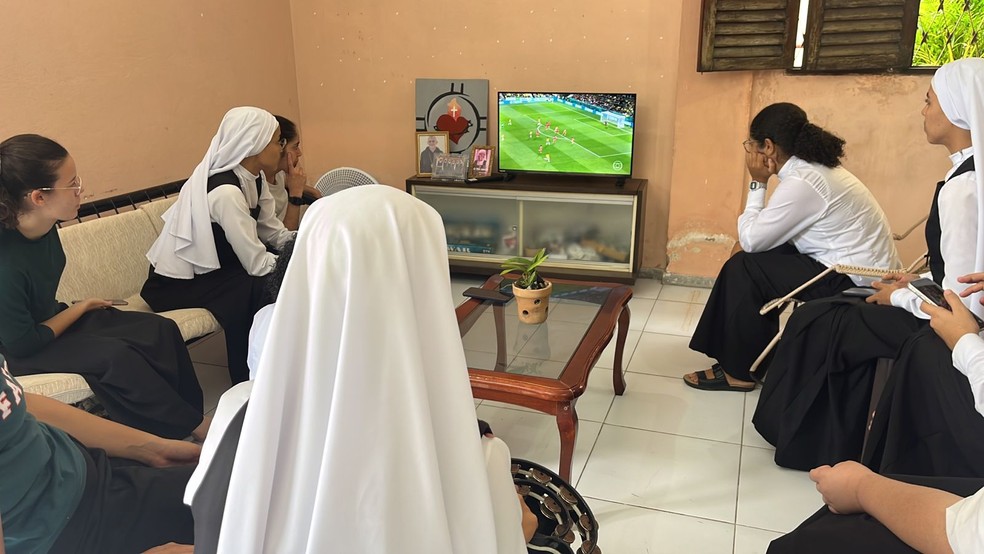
[
  {"x": 567, "y": 423},
  {"x": 498, "y": 311},
  {"x": 618, "y": 379}
]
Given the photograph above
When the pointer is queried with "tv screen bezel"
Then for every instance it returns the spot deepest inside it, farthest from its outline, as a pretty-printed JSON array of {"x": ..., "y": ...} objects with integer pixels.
[{"x": 498, "y": 136}]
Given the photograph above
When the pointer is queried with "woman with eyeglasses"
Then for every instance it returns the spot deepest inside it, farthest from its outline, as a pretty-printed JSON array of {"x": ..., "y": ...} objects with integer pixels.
[
  {"x": 220, "y": 237},
  {"x": 136, "y": 363},
  {"x": 819, "y": 215},
  {"x": 289, "y": 184}
]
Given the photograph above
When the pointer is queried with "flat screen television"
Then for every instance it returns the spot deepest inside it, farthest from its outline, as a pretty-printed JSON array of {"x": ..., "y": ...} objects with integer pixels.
[{"x": 570, "y": 133}]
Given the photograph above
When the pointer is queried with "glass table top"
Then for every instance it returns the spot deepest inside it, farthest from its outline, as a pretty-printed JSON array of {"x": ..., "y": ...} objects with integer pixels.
[{"x": 544, "y": 349}]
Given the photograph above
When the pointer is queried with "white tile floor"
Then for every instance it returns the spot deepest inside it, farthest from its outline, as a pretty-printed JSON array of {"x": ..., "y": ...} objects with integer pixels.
[{"x": 665, "y": 468}]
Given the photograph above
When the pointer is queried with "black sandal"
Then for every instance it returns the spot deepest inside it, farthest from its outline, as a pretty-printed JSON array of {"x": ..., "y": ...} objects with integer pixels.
[{"x": 719, "y": 382}]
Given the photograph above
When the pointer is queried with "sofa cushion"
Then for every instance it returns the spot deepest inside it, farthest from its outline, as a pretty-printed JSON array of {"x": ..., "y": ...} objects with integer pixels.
[
  {"x": 106, "y": 257},
  {"x": 65, "y": 387},
  {"x": 156, "y": 209},
  {"x": 192, "y": 322}
]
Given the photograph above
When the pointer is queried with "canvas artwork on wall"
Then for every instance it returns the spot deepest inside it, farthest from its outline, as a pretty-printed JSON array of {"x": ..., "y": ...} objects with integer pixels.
[{"x": 459, "y": 107}]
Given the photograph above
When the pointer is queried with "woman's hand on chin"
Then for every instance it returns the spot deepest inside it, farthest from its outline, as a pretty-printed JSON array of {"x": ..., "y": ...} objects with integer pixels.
[{"x": 760, "y": 166}]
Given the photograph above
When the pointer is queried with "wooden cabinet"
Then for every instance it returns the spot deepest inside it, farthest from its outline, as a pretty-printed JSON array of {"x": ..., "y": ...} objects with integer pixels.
[{"x": 590, "y": 227}]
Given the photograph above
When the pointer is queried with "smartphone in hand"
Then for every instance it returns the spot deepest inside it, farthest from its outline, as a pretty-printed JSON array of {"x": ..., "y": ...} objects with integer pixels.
[
  {"x": 929, "y": 291},
  {"x": 113, "y": 302}
]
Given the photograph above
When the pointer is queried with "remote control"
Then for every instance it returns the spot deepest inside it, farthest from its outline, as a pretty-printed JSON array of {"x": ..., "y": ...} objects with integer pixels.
[{"x": 486, "y": 294}]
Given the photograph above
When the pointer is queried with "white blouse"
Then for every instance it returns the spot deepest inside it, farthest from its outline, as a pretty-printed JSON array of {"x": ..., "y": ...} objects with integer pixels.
[
  {"x": 965, "y": 519},
  {"x": 826, "y": 213},
  {"x": 958, "y": 226},
  {"x": 257, "y": 336},
  {"x": 278, "y": 189},
  {"x": 228, "y": 206}
]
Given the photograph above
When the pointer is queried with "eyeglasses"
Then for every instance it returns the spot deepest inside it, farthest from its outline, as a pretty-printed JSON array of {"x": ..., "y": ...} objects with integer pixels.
[
  {"x": 749, "y": 145},
  {"x": 77, "y": 187}
]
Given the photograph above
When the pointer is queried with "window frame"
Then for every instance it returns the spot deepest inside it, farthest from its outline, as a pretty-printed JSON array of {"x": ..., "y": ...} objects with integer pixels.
[{"x": 814, "y": 41}]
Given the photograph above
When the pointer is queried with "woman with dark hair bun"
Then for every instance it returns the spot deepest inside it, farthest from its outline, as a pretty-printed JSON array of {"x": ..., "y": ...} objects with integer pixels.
[
  {"x": 289, "y": 184},
  {"x": 787, "y": 127},
  {"x": 136, "y": 363},
  {"x": 819, "y": 215}
]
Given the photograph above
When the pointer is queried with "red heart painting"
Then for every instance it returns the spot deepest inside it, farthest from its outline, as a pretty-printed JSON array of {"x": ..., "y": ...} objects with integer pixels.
[{"x": 456, "y": 128}]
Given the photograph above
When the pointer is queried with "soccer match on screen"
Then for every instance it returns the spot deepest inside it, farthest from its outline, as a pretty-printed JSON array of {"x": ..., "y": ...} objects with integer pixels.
[{"x": 566, "y": 133}]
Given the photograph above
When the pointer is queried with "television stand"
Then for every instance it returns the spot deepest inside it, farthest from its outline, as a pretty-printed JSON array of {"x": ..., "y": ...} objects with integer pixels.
[
  {"x": 592, "y": 227},
  {"x": 620, "y": 182}
]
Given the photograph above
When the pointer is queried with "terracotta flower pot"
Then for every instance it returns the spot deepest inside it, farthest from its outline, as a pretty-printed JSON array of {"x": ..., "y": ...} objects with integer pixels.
[{"x": 533, "y": 304}]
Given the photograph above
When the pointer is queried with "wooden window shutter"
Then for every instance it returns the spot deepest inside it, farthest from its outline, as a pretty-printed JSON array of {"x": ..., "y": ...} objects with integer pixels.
[
  {"x": 845, "y": 35},
  {"x": 747, "y": 34}
]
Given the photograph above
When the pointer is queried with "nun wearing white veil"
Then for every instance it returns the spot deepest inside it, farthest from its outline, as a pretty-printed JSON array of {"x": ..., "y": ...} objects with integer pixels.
[
  {"x": 215, "y": 247},
  {"x": 360, "y": 432},
  {"x": 927, "y": 422}
]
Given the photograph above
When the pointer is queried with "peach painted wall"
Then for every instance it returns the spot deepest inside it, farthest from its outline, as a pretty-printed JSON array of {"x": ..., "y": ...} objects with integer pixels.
[
  {"x": 878, "y": 116},
  {"x": 357, "y": 62},
  {"x": 135, "y": 90},
  {"x": 136, "y": 94}
]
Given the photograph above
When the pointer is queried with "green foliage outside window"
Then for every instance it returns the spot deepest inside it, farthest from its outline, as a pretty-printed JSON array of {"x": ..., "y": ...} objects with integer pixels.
[{"x": 948, "y": 30}]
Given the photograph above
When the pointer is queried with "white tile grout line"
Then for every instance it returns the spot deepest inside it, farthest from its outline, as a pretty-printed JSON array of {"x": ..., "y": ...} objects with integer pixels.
[
  {"x": 516, "y": 408},
  {"x": 225, "y": 367},
  {"x": 741, "y": 452},
  {"x": 629, "y": 504},
  {"x": 590, "y": 452}
]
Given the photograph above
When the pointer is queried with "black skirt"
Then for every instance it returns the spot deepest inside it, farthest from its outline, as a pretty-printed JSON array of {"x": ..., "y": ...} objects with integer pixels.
[
  {"x": 127, "y": 507},
  {"x": 136, "y": 364},
  {"x": 926, "y": 422},
  {"x": 814, "y": 405},
  {"x": 232, "y": 295},
  {"x": 825, "y": 532},
  {"x": 731, "y": 330}
]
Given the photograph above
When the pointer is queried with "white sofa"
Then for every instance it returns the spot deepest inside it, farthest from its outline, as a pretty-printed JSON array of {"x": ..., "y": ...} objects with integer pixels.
[{"x": 106, "y": 257}]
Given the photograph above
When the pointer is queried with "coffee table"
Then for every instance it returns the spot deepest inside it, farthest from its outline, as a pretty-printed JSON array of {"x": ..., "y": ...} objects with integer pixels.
[{"x": 545, "y": 367}]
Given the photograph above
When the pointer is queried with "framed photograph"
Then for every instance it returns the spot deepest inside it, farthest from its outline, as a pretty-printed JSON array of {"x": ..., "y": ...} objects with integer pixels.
[
  {"x": 481, "y": 161},
  {"x": 450, "y": 167},
  {"x": 429, "y": 146}
]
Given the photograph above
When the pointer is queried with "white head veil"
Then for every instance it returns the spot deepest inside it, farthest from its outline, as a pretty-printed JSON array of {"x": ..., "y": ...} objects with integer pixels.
[
  {"x": 186, "y": 247},
  {"x": 959, "y": 85},
  {"x": 360, "y": 434}
]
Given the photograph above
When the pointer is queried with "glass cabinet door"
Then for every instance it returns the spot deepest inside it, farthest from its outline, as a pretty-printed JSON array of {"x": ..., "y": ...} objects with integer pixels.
[
  {"x": 477, "y": 223},
  {"x": 580, "y": 231}
]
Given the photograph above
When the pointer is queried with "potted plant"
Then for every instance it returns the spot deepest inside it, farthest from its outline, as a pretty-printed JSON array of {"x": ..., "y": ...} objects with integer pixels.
[{"x": 531, "y": 291}]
